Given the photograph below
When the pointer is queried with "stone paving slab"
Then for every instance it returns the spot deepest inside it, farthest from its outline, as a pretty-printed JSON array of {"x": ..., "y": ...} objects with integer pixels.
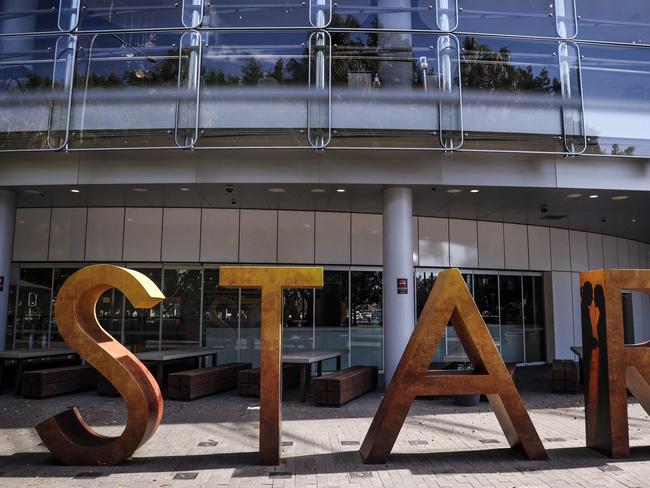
[{"x": 212, "y": 442}]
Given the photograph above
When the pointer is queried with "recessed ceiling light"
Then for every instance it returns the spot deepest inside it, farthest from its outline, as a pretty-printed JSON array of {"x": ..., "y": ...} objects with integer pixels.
[
  {"x": 593, "y": 196},
  {"x": 574, "y": 195},
  {"x": 74, "y": 190},
  {"x": 620, "y": 197},
  {"x": 474, "y": 191},
  {"x": 184, "y": 189},
  {"x": 340, "y": 190},
  {"x": 318, "y": 190},
  {"x": 454, "y": 190},
  {"x": 634, "y": 220},
  {"x": 33, "y": 192},
  {"x": 277, "y": 190},
  {"x": 139, "y": 190}
]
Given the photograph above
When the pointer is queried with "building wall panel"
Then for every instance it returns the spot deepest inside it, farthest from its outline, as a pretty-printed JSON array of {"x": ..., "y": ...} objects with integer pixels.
[
  {"x": 142, "y": 234},
  {"x": 181, "y": 237},
  {"x": 516, "y": 246},
  {"x": 367, "y": 239},
  {"x": 258, "y": 239},
  {"x": 595, "y": 251},
  {"x": 491, "y": 253},
  {"x": 32, "y": 234},
  {"x": 610, "y": 252},
  {"x": 560, "y": 250},
  {"x": 463, "y": 243},
  {"x": 105, "y": 234},
  {"x": 433, "y": 239},
  {"x": 579, "y": 255},
  {"x": 68, "y": 234},
  {"x": 332, "y": 238},
  {"x": 539, "y": 248},
  {"x": 220, "y": 235},
  {"x": 295, "y": 237}
]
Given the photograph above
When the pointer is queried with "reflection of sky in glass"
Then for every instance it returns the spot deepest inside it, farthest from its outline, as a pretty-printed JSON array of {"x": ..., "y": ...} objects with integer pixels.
[
  {"x": 377, "y": 14},
  {"x": 130, "y": 14},
  {"x": 617, "y": 91},
  {"x": 529, "y": 17},
  {"x": 627, "y": 21},
  {"x": 41, "y": 16}
]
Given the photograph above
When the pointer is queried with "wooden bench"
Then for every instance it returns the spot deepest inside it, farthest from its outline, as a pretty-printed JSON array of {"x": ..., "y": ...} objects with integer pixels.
[
  {"x": 248, "y": 383},
  {"x": 195, "y": 383},
  {"x": 565, "y": 376},
  {"x": 46, "y": 383},
  {"x": 339, "y": 388}
]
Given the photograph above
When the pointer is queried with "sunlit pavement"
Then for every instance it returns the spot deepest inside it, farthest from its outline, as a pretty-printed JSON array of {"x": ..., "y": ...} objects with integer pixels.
[{"x": 213, "y": 442}]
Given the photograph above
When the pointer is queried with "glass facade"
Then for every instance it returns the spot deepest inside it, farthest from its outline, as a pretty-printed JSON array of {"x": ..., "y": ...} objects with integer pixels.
[
  {"x": 563, "y": 77},
  {"x": 512, "y": 306},
  {"x": 347, "y": 313}
]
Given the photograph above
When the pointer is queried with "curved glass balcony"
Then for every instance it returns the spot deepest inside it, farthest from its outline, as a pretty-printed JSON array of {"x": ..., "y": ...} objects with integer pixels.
[
  {"x": 258, "y": 89},
  {"x": 521, "y": 95},
  {"x": 136, "y": 90},
  {"x": 35, "y": 88},
  {"x": 395, "y": 90},
  {"x": 354, "y": 74},
  {"x": 617, "y": 100}
]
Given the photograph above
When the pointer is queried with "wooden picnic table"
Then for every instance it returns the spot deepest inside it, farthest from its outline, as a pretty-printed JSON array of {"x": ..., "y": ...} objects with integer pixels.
[
  {"x": 159, "y": 358},
  {"x": 20, "y": 357},
  {"x": 304, "y": 359}
]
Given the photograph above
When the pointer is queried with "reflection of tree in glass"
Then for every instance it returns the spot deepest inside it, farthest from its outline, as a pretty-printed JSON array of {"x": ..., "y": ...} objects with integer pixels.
[
  {"x": 152, "y": 71},
  {"x": 484, "y": 68},
  {"x": 366, "y": 296},
  {"x": 253, "y": 72},
  {"x": 596, "y": 146}
]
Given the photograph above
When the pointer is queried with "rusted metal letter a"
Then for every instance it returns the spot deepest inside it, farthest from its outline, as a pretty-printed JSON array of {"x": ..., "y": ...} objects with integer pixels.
[{"x": 450, "y": 299}]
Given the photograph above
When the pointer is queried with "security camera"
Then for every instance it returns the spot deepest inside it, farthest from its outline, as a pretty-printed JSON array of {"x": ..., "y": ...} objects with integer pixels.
[
  {"x": 543, "y": 208},
  {"x": 230, "y": 189}
]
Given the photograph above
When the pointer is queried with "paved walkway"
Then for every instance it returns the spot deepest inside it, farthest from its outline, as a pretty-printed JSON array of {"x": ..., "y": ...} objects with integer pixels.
[{"x": 212, "y": 442}]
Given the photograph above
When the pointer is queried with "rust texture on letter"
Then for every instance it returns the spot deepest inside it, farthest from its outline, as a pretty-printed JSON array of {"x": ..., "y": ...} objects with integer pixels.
[
  {"x": 450, "y": 299},
  {"x": 67, "y": 435},
  {"x": 271, "y": 281},
  {"x": 610, "y": 366}
]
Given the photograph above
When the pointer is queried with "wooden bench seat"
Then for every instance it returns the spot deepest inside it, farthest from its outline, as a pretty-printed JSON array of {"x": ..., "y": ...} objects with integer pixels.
[
  {"x": 195, "y": 383},
  {"x": 249, "y": 380},
  {"x": 341, "y": 387},
  {"x": 46, "y": 383},
  {"x": 565, "y": 376}
]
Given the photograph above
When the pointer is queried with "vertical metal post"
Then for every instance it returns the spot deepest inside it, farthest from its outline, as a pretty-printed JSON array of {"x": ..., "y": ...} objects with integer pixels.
[{"x": 7, "y": 221}]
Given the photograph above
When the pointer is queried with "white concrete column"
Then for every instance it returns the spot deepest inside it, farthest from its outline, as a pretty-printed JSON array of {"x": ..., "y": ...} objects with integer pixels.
[
  {"x": 7, "y": 220},
  {"x": 399, "y": 304}
]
